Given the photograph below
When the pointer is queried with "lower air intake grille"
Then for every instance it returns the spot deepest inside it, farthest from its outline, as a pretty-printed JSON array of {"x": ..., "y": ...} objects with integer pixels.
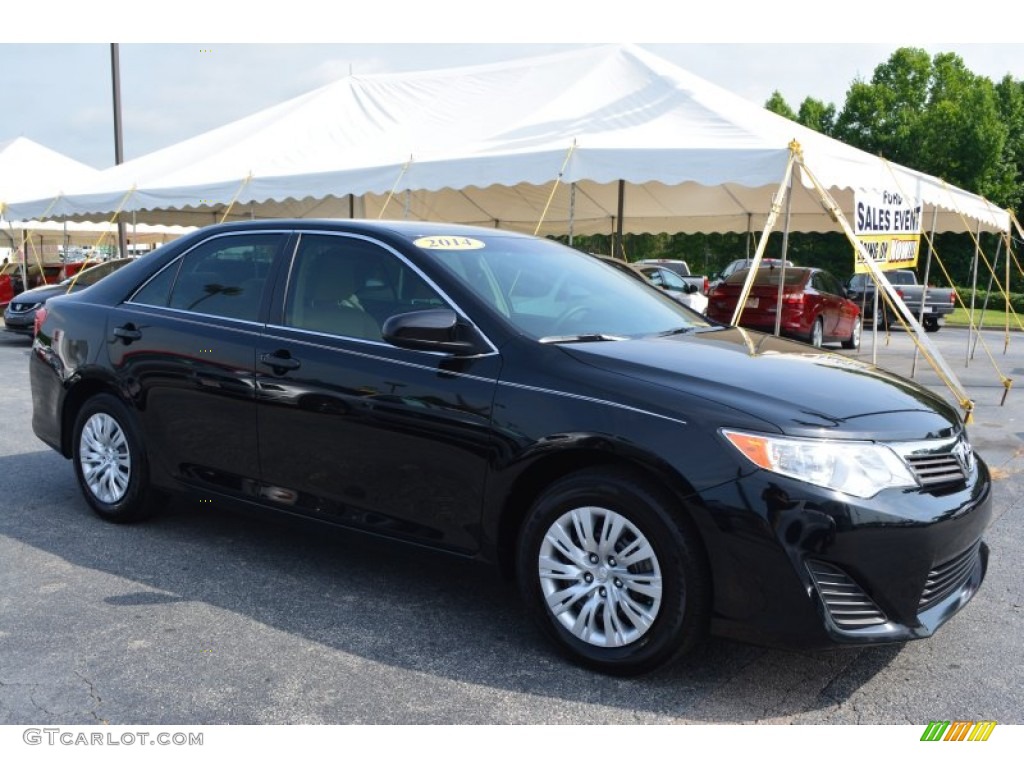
[
  {"x": 946, "y": 578},
  {"x": 846, "y": 602}
]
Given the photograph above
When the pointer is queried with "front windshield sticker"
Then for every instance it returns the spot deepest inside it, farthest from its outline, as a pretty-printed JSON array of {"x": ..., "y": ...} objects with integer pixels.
[{"x": 437, "y": 243}]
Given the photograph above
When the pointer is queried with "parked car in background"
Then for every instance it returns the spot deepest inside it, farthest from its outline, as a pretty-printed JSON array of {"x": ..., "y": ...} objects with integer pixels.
[
  {"x": 663, "y": 279},
  {"x": 937, "y": 302},
  {"x": 647, "y": 476},
  {"x": 20, "y": 313},
  {"x": 814, "y": 305},
  {"x": 675, "y": 286},
  {"x": 682, "y": 269}
]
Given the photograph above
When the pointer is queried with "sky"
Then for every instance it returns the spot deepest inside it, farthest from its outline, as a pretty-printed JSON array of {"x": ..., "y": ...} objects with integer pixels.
[{"x": 181, "y": 76}]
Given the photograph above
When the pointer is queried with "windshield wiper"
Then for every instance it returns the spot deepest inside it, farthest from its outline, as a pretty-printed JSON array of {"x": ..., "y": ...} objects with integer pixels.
[
  {"x": 677, "y": 331},
  {"x": 581, "y": 337}
]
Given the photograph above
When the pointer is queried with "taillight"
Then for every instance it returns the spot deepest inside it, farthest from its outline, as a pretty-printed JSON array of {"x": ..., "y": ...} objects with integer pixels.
[
  {"x": 899, "y": 292},
  {"x": 952, "y": 297},
  {"x": 706, "y": 285},
  {"x": 792, "y": 298},
  {"x": 38, "y": 323}
]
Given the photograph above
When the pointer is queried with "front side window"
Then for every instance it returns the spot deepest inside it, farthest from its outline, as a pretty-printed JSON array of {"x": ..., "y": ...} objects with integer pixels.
[{"x": 348, "y": 286}]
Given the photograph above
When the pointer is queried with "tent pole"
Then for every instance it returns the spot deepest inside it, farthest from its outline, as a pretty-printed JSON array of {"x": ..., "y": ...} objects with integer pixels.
[
  {"x": 572, "y": 210},
  {"x": 618, "y": 225},
  {"x": 115, "y": 76},
  {"x": 927, "y": 272},
  {"x": 988, "y": 292},
  {"x": 24, "y": 261},
  {"x": 351, "y": 205},
  {"x": 750, "y": 233},
  {"x": 974, "y": 290},
  {"x": 785, "y": 249},
  {"x": 763, "y": 242}
]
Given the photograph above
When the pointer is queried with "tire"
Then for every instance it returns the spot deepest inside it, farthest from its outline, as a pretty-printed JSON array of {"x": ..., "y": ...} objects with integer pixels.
[
  {"x": 607, "y": 614},
  {"x": 854, "y": 341},
  {"x": 931, "y": 324},
  {"x": 818, "y": 333},
  {"x": 110, "y": 462}
]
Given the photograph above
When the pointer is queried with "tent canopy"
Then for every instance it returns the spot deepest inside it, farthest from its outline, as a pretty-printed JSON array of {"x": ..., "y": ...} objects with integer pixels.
[{"x": 487, "y": 144}]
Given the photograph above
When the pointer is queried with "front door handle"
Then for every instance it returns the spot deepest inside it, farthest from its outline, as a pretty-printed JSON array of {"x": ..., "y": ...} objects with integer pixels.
[
  {"x": 280, "y": 361},
  {"x": 127, "y": 333}
]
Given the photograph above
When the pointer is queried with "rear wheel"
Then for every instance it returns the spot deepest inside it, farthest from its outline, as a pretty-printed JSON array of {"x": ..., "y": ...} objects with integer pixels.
[
  {"x": 818, "y": 333},
  {"x": 110, "y": 462},
  {"x": 611, "y": 575},
  {"x": 931, "y": 324}
]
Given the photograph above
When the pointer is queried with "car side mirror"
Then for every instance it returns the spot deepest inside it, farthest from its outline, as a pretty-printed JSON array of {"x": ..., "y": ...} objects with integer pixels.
[
  {"x": 431, "y": 330},
  {"x": 691, "y": 288}
]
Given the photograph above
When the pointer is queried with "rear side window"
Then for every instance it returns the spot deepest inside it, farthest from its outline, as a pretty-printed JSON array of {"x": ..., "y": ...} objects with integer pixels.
[{"x": 224, "y": 276}]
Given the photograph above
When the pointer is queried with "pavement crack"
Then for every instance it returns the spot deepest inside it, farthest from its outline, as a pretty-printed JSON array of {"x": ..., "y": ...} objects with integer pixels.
[{"x": 97, "y": 700}]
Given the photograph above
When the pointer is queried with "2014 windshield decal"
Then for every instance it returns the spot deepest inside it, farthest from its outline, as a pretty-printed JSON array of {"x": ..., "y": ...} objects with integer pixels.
[{"x": 447, "y": 243}]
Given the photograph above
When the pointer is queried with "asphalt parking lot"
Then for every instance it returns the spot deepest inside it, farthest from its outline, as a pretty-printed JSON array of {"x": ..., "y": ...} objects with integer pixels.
[{"x": 208, "y": 617}]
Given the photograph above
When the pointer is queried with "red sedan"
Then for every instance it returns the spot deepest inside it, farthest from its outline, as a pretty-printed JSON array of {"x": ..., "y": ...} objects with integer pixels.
[{"x": 814, "y": 305}]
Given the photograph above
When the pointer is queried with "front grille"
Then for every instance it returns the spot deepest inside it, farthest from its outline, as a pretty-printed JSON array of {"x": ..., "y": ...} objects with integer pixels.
[
  {"x": 847, "y": 604},
  {"x": 937, "y": 469},
  {"x": 946, "y": 578}
]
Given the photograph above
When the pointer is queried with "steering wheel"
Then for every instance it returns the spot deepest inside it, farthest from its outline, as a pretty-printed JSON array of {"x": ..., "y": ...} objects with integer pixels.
[{"x": 570, "y": 315}]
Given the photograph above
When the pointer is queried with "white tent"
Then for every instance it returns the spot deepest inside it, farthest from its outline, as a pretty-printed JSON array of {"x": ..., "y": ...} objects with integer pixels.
[
  {"x": 487, "y": 144},
  {"x": 27, "y": 169}
]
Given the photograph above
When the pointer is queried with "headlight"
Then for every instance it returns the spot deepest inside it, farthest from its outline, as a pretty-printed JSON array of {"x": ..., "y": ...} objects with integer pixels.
[{"x": 854, "y": 467}]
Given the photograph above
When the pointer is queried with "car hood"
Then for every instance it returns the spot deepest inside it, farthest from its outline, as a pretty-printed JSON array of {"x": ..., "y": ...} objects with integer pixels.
[
  {"x": 799, "y": 389},
  {"x": 40, "y": 294}
]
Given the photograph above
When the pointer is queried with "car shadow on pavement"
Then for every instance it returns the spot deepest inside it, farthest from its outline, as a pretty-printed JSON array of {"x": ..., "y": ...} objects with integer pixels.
[{"x": 385, "y": 603}]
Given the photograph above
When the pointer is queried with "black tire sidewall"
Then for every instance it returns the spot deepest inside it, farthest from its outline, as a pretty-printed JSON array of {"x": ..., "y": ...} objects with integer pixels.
[
  {"x": 682, "y": 617},
  {"x": 133, "y": 505}
]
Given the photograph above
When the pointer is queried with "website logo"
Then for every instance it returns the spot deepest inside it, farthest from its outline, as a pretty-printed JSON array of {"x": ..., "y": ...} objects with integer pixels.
[{"x": 958, "y": 730}]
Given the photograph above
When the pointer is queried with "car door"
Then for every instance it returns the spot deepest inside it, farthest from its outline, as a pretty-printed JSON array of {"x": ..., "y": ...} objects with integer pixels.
[
  {"x": 355, "y": 430},
  {"x": 185, "y": 346}
]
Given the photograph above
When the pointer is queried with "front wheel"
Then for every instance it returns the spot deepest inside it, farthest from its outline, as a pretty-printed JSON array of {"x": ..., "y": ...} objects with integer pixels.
[
  {"x": 110, "y": 462},
  {"x": 854, "y": 341},
  {"x": 611, "y": 574}
]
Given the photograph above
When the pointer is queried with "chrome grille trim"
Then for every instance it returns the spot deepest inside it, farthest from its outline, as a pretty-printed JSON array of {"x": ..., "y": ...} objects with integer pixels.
[
  {"x": 939, "y": 463},
  {"x": 847, "y": 604},
  {"x": 936, "y": 469},
  {"x": 946, "y": 578}
]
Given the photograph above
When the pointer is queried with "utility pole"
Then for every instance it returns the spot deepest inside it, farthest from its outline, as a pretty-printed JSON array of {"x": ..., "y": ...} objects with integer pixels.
[{"x": 115, "y": 71}]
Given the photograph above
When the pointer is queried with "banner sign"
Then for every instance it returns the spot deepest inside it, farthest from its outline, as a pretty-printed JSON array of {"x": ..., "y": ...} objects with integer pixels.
[{"x": 888, "y": 225}]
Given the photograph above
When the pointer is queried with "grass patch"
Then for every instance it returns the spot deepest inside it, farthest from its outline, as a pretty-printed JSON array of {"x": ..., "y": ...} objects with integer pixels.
[{"x": 994, "y": 319}]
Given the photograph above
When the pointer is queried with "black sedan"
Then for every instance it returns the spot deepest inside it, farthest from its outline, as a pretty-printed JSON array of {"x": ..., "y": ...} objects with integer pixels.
[
  {"x": 647, "y": 477},
  {"x": 20, "y": 314}
]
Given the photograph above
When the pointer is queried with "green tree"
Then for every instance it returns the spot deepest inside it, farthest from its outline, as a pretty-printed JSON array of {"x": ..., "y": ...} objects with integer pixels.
[
  {"x": 778, "y": 105},
  {"x": 818, "y": 116}
]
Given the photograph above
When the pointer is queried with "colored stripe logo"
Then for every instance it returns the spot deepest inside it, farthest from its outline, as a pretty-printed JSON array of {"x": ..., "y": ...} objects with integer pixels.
[{"x": 958, "y": 730}]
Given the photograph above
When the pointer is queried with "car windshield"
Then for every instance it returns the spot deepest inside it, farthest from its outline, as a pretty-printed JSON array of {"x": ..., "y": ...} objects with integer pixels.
[{"x": 553, "y": 293}]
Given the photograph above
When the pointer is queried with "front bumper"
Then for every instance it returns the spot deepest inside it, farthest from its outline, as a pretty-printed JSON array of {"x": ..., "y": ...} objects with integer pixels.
[
  {"x": 20, "y": 322},
  {"x": 799, "y": 566}
]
